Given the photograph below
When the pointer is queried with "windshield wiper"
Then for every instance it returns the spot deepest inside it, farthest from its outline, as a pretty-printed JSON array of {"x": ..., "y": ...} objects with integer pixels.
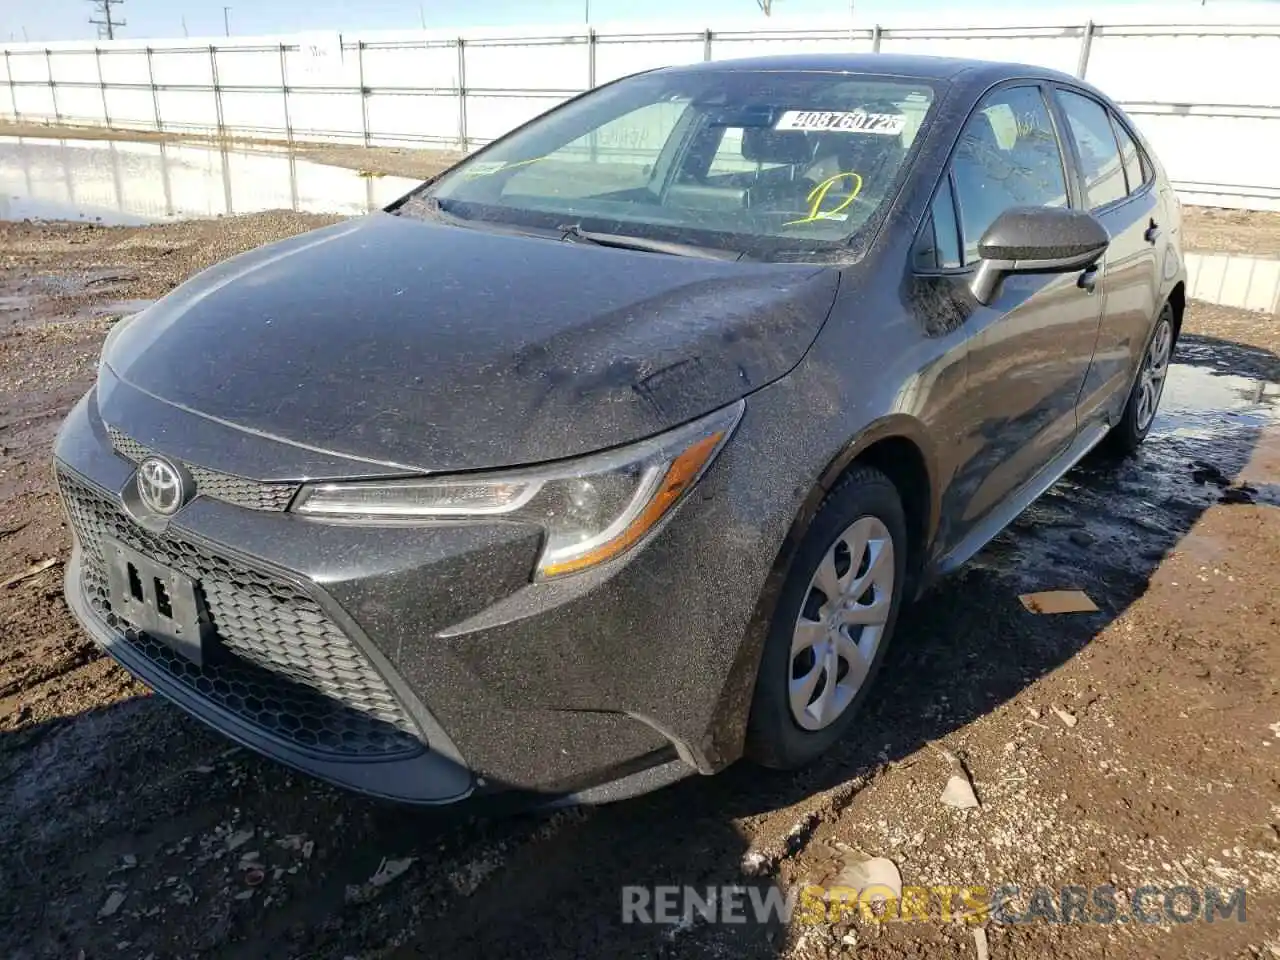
[{"x": 573, "y": 232}]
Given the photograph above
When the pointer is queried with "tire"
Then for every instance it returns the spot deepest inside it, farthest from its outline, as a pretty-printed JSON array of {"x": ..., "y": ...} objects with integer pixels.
[
  {"x": 786, "y": 731},
  {"x": 1135, "y": 423}
]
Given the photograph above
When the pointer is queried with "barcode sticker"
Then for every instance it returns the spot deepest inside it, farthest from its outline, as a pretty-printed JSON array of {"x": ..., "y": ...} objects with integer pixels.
[{"x": 888, "y": 124}]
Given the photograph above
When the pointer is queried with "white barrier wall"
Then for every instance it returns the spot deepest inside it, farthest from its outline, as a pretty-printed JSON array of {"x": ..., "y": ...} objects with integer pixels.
[
  {"x": 1235, "y": 280},
  {"x": 1200, "y": 82}
]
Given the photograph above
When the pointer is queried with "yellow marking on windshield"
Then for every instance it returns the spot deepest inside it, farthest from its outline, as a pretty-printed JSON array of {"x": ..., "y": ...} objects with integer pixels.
[{"x": 819, "y": 193}]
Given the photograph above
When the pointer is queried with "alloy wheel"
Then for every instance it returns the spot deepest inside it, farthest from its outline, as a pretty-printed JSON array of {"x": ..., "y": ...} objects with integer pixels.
[{"x": 1155, "y": 367}]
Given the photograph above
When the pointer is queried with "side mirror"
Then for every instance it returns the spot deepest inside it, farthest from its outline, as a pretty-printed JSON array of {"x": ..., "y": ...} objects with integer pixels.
[{"x": 1036, "y": 240}]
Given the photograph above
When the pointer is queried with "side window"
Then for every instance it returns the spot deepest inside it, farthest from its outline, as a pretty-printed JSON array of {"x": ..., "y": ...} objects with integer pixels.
[
  {"x": 939, "y": 245},
  {"x": 1134, "y": 170},
  {"x": 1100, "y": 161},
  {"x": 1007, "y": 156}
]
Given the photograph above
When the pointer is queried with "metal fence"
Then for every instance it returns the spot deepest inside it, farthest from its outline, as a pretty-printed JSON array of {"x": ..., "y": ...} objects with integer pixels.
[{"x": 1188, "y": 87}]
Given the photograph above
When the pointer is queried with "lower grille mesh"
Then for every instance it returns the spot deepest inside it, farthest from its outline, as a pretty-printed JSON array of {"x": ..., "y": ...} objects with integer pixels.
[{"x": 285, "y": 666}]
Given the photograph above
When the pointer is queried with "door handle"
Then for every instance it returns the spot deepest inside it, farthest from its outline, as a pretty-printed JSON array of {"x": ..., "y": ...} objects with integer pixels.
[
  {"x": 1153, "y": 231},
  {"x": 1089, "y": 279}
]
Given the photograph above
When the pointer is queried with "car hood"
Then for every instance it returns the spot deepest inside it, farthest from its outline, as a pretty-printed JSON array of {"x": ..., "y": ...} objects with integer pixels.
[{"x": 430, "y": 347}]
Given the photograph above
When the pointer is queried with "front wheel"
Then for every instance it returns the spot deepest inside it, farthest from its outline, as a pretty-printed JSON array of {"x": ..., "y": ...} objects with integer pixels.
[
  {"x": 833, "y": 623},
  {"x": 1144, "y": 399}
]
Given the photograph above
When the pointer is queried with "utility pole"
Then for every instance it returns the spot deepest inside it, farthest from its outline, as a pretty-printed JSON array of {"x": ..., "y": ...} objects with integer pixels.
[{"x": 106, "y": 21}]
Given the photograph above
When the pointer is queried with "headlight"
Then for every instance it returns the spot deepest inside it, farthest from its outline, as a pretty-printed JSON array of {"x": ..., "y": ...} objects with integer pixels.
[{"x": 592, "y": 509}]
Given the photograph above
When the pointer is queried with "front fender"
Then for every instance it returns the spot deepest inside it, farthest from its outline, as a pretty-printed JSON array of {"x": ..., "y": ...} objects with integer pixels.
[{"x": 815, "y": 460}]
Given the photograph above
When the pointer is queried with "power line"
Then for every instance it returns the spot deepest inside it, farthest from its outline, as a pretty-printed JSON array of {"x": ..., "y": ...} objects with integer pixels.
[{"x": 107, "y": 22}]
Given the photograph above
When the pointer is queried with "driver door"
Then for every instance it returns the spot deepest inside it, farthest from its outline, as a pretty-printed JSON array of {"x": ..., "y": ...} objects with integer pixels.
[{"x": 1030, "y": 349}]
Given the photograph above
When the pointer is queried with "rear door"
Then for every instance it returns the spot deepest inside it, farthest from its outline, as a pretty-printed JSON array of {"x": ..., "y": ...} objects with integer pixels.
[
  {"x": 1118, "y": 186},
  {"x": 1030, "y": 348}
]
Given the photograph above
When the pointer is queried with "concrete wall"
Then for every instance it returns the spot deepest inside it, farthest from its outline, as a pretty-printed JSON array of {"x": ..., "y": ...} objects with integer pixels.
[
  {"x": 1235, "y": 280},
  {"x": 1200, "y": 82}
]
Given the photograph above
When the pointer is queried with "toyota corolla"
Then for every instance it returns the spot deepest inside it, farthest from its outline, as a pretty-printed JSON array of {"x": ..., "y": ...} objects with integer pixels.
[{"x": 611, "y": 454}]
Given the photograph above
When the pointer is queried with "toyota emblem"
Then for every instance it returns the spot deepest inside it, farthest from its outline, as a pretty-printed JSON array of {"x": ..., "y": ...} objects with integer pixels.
[{"x": 162, "y": 486}]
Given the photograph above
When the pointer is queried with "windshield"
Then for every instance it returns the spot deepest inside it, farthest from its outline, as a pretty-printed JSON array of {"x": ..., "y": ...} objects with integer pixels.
[{"x": 754, "y": 161}]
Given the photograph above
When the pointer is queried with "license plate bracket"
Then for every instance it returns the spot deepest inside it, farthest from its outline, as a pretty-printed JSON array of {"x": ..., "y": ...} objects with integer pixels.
[{"x": 158, "y": 600}]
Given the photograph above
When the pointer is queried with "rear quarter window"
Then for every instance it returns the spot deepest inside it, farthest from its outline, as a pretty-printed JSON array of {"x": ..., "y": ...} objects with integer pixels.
[
  {"x": 1135, "y": 170},
  {"x": 1090, "y": 127}
]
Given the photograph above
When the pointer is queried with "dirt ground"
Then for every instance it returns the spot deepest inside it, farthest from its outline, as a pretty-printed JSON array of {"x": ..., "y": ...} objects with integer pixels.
[{"x": 1138, "y": 745}]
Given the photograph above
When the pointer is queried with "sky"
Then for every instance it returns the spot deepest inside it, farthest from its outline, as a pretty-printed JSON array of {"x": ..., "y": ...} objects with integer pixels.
[{"x": 44, "y": 20}]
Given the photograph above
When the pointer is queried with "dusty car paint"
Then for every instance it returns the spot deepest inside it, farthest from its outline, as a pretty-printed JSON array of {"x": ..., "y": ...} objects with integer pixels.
[{"x": 561, "y": 351}]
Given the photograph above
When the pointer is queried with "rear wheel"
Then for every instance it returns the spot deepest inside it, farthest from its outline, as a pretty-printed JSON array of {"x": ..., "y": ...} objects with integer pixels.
[
  {"x": 1144, "y": 399},
  {"x": 833, "y": 623}
]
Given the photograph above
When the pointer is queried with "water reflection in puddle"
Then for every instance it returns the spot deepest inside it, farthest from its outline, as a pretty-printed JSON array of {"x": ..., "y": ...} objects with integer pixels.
[
  {"x": 125, "y": 183},
  {"x": 1218, "y": 389}
]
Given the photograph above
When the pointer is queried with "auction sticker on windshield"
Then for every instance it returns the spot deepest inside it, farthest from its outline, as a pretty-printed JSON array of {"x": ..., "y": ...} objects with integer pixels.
[{"x": 889, "y": 124}]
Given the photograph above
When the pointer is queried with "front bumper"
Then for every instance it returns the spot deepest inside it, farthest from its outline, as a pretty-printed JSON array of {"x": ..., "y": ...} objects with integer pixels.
[
  {"x": 414, "y": 774},
  {"x": 419, "y": 663}
]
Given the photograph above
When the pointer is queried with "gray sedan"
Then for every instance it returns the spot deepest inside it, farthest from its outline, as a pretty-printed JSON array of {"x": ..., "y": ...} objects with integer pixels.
[{"x": 611, "y": 454}]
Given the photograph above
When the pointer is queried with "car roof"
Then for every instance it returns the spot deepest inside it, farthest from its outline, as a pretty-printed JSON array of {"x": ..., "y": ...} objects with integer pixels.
[{"x": 890, "y": 64}]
